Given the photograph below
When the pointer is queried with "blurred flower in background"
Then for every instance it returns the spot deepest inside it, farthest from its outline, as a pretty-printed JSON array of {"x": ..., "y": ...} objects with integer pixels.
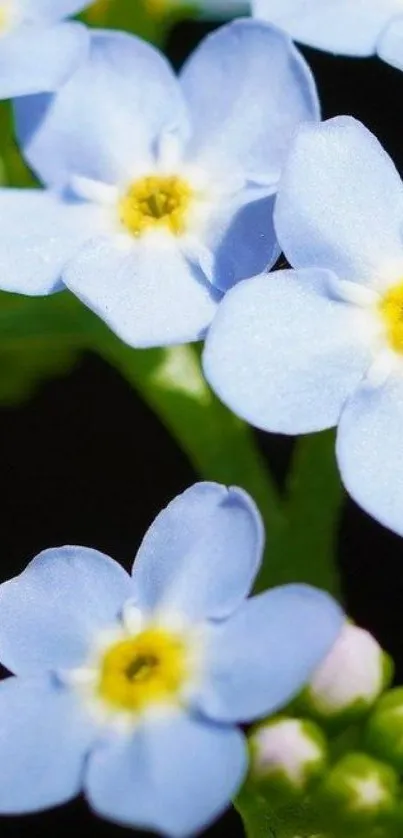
[{"x": 38, "y": 49}]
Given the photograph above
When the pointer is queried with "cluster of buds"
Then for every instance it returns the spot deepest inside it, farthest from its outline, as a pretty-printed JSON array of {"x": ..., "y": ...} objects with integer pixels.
[{"x": 331, "y": 766}]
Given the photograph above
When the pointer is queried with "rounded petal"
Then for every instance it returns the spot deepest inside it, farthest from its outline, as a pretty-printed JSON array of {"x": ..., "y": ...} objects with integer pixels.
[
  {"x": 348, "y": 27},
  {"x": 50, "y": 10},
  {"x": 36, "y": 59},
  {"x": 104, "y": 123},
  {"x": 44, "y": 741},
  {"x": 260, "y": 658},
  {"x": 145, "y": 290},
  {"x": 39, "y": 233},
  {"x": 51, "y": 613},
  {"x": 173, "y": 776},
  {"x": 340, "y": 203},
  {"x": 247, "y": 89},
  {"x": 369, "y": 450},
  {"x": 284, "y": 354},
  {"x": 390, "y": 45},
  {"x": 202, "y": 552},
  {"x": 241, "y": 238}
]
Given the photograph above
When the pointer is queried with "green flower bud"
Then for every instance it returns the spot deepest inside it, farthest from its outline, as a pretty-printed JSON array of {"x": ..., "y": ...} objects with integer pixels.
[
  {"x": 350, "y": 679},
  {"x": 359, "y": 793},
  {"x": 384, "y": 732},
  {"x": 287, "y": 754}
]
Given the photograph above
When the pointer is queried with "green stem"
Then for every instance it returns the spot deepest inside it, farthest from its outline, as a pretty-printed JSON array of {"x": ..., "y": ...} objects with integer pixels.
[
  {"x": 313, "y": 502},
  {"x": 219, "y": 445},
  {"x": 301, "y": 529},
  {"x": 262, "y": 821}
]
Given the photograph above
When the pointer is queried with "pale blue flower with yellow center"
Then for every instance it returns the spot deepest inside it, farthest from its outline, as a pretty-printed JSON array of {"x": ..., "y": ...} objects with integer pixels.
[
  {"x": 344, "y": 27},
  {"x": 160, "y": 191},
  {"x": 39, "y": 50},
  {"x": 130, "y": 688},
  {"x": 300, "y": 351}
]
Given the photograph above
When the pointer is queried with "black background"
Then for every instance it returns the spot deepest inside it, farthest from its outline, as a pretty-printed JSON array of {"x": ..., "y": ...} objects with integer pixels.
[{"x": 85, "y": 462}]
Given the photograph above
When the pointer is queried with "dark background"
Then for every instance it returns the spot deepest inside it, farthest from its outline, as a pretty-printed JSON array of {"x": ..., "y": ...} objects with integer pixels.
[{"x": 85, "y": 462}]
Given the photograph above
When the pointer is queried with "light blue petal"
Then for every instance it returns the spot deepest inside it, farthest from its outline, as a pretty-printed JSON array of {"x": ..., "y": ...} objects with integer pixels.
[
  {"x": 370, "y": 453},
  {"x": 104, "y": 123},
  {"x": 52, "y": 9},
  {"x": 247, "y": 88},
  {"x": 260, "y": 658},
  {"x": 390, "y": 45},
  {"x": 240, "y": 236},
  {"x": 284, "y": 353},
  {"x": 340, "y": 203},
  {"x": 45, "y": 737},
  {"x": 173, "y": 776},
  {"x": 39, "y": 233},
  {"x": 347, "y": 27},
  {"x": 36, "y": 59},
  {"x": 147, "y": 292},
  {"x": 202, "y": 552},
  {"x": 51, "y": 613}
]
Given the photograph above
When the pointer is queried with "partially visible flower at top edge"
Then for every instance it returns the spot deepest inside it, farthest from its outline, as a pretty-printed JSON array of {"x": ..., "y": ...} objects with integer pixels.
[
  {"x": 161, "y": 191},
  {"x": 323, "y": 345},
  {"x": 130, "y": 687},
  {"x": 39, "y": 51},
  {"x": 344, "y": 27}
]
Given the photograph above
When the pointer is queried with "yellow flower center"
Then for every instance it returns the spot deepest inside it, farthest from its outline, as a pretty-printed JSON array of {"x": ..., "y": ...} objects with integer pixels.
[
  {"x": 391, "y": 309},
  {"x": 149, "y": 668},
  {"x": 155, "y": 201}
]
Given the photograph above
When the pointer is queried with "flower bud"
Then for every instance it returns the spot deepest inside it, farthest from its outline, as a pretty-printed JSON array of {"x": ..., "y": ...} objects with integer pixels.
[
  {"x": 287, "y": 754},
  {"x": 359, "y": 792},
  {"x": 384, "y": 733},
  {"x": 351, "y": 677}
]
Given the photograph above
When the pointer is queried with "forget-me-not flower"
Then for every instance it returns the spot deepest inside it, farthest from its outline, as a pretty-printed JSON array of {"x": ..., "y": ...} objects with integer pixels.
[
  {"x": 300, "y": 351},
  {"x": 130, "y": 687},
  {"x": 347, "y": 27},
  {"x": 171, "y": 183},
  {"x": 38, "y": 50}
]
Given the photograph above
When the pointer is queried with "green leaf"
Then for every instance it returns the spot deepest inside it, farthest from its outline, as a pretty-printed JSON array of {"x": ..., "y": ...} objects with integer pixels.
[
  {"x": 151, "y": 19},
  {"x": 300, "y": 528},
  {"x": 219, "y": 445},
  {"x": 313, "y": 502}
]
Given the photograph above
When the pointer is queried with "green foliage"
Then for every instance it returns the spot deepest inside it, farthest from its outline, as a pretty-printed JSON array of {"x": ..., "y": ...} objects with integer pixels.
[
  {"x": 151, "y": 19},
  {"x": 357, "y": 793}
]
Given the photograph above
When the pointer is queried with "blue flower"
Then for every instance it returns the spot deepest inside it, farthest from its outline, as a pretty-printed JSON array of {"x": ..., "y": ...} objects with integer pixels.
[
  {"x": 38, "y": 52},
  {"x": 304, "y": 350},
  {"x": 130, "y": 687},
  {"x": 171, "y": 183},
  {"x": 347, "y": 27}
]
